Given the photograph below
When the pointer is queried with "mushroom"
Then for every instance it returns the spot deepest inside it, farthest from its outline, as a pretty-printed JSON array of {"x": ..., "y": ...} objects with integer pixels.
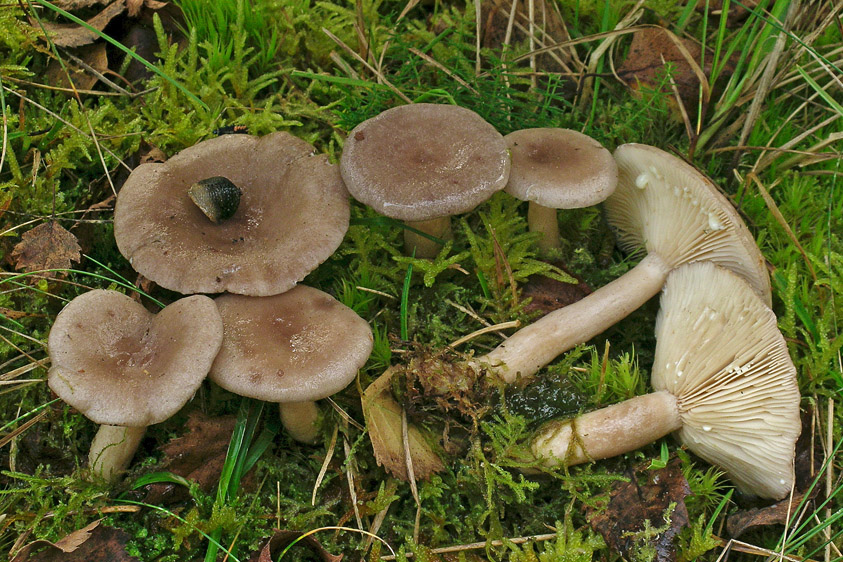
[
  {"x": 126, "y": 368},
  {"x": 723, "y": 380},
  {"x": 293, "y": 348},
  {"x": 292, "y": 214},
  {"x": 679, "y": 216},
  {"x": 423, "y": 162},
  {"x": 557, "y": 169}
]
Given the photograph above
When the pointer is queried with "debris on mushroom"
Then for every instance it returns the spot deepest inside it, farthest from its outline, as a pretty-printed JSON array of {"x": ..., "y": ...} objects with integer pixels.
[
  {"x": 293, "y": 213},
  {"x": 217, "y": 197},
  {"x": 423, "y": 162},
  {"x": 557, "y": 169},
  {"x": 723, "y": 380},
  {"x": 293, "y": 348},
  {"x": 126, "y": 368}
]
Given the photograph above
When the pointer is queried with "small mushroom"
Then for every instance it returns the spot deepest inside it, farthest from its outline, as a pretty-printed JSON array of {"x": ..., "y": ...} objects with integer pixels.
[
  {"x": 723, "y": 380},
  {"x": 217, "y": 197},
  {"x": 293, "y": 348},
  {"x": 557, "y": 169},
  {"x": 126, "y": 368},
  {"x": 292, "y": 215},
  {"x": 677, "y": 214},
  {"x": 422, "y": 163}
]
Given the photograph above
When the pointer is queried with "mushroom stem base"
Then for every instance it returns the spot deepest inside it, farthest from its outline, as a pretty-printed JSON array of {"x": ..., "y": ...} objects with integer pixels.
[
  {"x": 607, "y": 432},
  {"x": 425, "y": 247},
  {"x": 299, "y": 419},
  {"x": 112, "y": 450},
  {"x": 543, "y": 219}
]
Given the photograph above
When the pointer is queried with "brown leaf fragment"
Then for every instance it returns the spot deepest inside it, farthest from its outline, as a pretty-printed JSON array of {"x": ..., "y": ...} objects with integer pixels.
[
  {"x": 73, "y": 35},
  {"x": 135, "y": 6},
  {"x": 83, "y": 79},
  {"x": 74, "y": 5},
  {"x": 776, "y": 514},
  {"x": 198, "y": 455},
  {"x": 47, "y": 246},
  {"x": 648, "y": 516},
  {"x": 283, "y": 538},
  {"x": 93, "y": 543},
  {"x": 548, "y": 294}
]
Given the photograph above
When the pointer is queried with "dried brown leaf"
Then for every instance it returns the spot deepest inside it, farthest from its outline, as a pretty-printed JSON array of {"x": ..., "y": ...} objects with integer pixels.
[
  {"x": 281, "y": 539},
  {"x": 73, "y": 35},
  {"x": 47, "y": 246},
  {"x": 658, "y": 504},
  {"x": 548, "y": 294},
  {"x": 94, "y": 56},
  {"x": 776, "y": 514},
  {"x": 90, "y": 544}
]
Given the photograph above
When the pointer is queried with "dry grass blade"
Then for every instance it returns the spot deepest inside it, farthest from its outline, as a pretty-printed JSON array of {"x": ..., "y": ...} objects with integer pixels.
[
  {"x": 480, "y": 545},
  {"x": 23, "y": 427},
  {"x": 329, "y": 454},
  {"x": 433, "y": 62},
  {"x": 350, "y": 469},
  {"x": 15, "y": 373},
  {"x": 486, "y": 330}
]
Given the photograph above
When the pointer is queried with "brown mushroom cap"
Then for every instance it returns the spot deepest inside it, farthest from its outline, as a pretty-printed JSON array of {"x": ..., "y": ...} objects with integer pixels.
[
  {"x": 293, "y": 214},
  {"x": 559, "y": 168},
  {"x": 119, "y": 364},
  {"x": 297, "y": 346},
  {"x": 422, "y": 161}
]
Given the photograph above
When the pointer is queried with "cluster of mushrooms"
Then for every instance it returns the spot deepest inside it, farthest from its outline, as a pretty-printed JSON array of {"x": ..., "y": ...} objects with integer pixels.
[{"x": 251, "y": 217}]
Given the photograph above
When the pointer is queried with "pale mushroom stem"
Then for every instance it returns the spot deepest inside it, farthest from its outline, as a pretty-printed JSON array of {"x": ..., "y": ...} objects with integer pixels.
[
  {"x": 299, "y": 419},
  {"x": 608, "y": 432},
  {"x": 534, "y": 346},
  {"x": 112, "y": 450},
  {"x": 543, "y": 219},
  {"x": 425, "y": 247}
]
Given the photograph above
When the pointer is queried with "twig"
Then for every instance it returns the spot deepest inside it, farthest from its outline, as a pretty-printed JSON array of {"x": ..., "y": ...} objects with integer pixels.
[
  {"x": 486, "y": 330},
  {"x": 479, "y": 545}
]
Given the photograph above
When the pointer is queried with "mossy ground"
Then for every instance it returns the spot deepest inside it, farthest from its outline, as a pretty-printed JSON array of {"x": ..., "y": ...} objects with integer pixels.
[{"x": 270, "y": 65}]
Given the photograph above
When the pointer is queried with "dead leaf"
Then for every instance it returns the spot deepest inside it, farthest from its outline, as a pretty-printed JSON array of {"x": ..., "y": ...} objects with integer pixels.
[
  {"x": 135, "y": 6},
  {"x": 383, "y": 420},
  {"x": 91, "y": 544},
  {"x": 649, "y": 515},
  {"x": 549, "y": 294},
  {"x": 93, "y": 55},
  {"x": 73, "y": 35},
  {"x": 198, "y": 455},
  {"x": 73, "y": 5},
  {"x": 281, "y": 539},
  {"x": 776, "y": 514},
  {"x": 47, "y": 246}
]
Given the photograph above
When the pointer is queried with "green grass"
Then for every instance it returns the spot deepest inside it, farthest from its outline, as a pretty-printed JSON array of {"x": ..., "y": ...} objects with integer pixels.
[{"x": 773, "y": 109}]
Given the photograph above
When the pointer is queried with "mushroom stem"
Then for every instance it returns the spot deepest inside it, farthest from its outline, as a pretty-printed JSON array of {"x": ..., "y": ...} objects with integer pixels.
[
  {"x": 299, "y": 419},
  {"x": 536, "y": 345},
  {"x": 609, "y": 431},
  {"x": 112, "y": 450},
  {"x": 425, "y": 247},
  {"x": 543, "y": 219}
]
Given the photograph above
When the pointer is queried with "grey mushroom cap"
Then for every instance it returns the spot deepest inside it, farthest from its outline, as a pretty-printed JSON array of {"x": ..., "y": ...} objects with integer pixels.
[
  {"x": 297, "y": 346},
  {"x": 721, "y": 354},
  {"x": 423, "y": 161},
  {"x": 293, "y": 214},
  {"x": 559, "y": 168},
  {"x": 666, "y": 206},
  {"x": 119, "y": 364}
]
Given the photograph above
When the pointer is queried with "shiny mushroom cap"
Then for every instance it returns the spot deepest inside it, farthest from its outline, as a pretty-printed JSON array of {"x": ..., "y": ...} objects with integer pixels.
[
  {"x": 293, "y": 213},
  {"x": 668, "y": 207},
  {"x": 423, "y": 161},
  {"x": 298, "y": 346},
  {"x": 721, "y": 355},
  {"x": 559, "y": 168},
  {"x": 119, "y": 364}
]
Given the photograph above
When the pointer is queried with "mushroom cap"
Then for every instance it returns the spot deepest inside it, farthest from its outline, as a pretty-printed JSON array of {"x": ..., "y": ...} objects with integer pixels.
[
  {"x": 720, "y": 353},
  {"x": 297, "y": 346},
  {"x": 559, "y": 168},
  {"x": 293, "y": 214},
  {"x": 424, "y": 161},
  {"x": 668, "y": 207},
  {"x": 119, "y": 364}
]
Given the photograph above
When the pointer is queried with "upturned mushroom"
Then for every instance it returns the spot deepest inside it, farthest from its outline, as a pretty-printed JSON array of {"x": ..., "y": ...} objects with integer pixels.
[
  {"x": 293, "y": 348},
  {"x": 557, "y": 169},
  {"x": 292, "y": 213},
  {"x": 677, "y": 214},
  {"x": 126, "y": 368},
  {"x": 722, "y": 380},
  {"x": 422, "y": 163}
]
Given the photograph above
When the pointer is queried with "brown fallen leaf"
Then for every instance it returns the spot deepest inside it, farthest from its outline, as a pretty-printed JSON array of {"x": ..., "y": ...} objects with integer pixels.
[
  {"x": 548, "y": 294},
  {"x": 90, "y": 544},
  {"x": 93, "y": 55},
  {"x": 47, "y": 246},
  {"x": 776, "y": 514},
  {"x": 135, "y": 6},
  {"x": 646, "y": 516},
  {"x": 73, "y": 35},
  {"x": 73, "y": 5},
  {"x": 282, "y": 538}
]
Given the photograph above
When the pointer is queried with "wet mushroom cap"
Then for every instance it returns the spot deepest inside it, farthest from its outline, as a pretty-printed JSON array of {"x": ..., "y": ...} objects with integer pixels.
[
  {"x": 665, "y": 205},
  {"x": 559, "y": 168},
  {"x": 293, "y": 214},
  {"x": 301, "y": 345},
  {"x": 119, "y": 364},
  {"x": 423, "y": 161}
]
